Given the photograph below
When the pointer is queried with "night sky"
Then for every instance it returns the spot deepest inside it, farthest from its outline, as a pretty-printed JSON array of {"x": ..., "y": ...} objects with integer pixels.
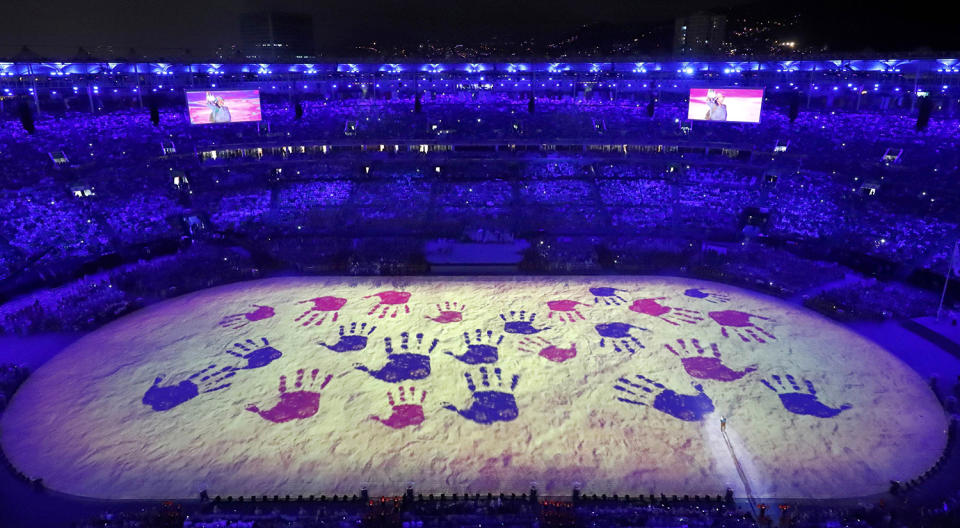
[{"x": 58, "y": 27}]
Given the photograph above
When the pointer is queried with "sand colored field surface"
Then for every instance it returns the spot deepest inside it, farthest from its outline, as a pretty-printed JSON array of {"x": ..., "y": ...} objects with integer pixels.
[{"x": 319, "y": 385}]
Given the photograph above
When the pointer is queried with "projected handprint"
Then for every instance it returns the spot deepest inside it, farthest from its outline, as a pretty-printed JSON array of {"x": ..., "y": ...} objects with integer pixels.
[
  {"x": 519, "y": 323},
  {"x": 449, "y": 313},
  {"x": 164, "y": 398},
  {"x": 546, "y": 349},
  {"x": 565, "y": 310},
  {"x": 799, "y": 401},
  {"x": 301, "y": 402},
  {"x": 492, "y": 401},
  {"x": 237, "y": 321},
  {"x": 619, "y": 337},
  {"x": 352, "y": 339},
  {"x": 320, "y": 310},
  {"x": 412, "y": 362},
  {"x": 607, "y": 295},
  {"x": 390, "y": 302},
  {"x": 404, "y": 414},
  {"x": 481, "y": 348},
  {"x": 256, "y": 354},
  {"x": 670, "y": 314},
  {"x": 713, "y": 297},
  {"x": 741, "y": 325},
  {"x": 699, "y": 364},
  {"x": 687, "y": 407}
]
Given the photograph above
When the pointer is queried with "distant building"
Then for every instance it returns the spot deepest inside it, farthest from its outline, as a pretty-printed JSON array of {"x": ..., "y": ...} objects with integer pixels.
[
  {"x": 699, "y": 34},
  {"x": 272, "y": 36}
]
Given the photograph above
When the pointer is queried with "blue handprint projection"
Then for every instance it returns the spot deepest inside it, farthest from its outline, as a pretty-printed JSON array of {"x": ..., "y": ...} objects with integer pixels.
[
  {"x": 256, "y": 354},
  {"x": 351, "y": 340},
  {"x": 607, "y": 295},
  {"x": 164, "y": 398},
  {"x": 412, "y": 363},
  {"x": 713, "y": 297},
  {"x": 798, "y": 401},
  {"x": 686, "y": 407},
  {"x": 480, "y": 349},
  {"x": 519, "y": 323},
  {"x": 618, "y": 335},
  {"x": 492, "y": 402}
]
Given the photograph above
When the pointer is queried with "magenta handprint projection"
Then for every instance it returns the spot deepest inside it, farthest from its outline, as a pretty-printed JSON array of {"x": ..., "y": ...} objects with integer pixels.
[
  {"x": 607, "y": 295},
  {"x": 619, "y": 336},
  {"x": 686, "y": 407},
  {"x": 408, "y": 412},
  {"x": 520, "y": 323},
  {"x": 481, "y": 348},
  {"x": 390, "y": 301},
  {"x": 320, "y": 309},
  {"x": 351, "y": 340},
  {"x": 237, "y": 321},
  {"x": 301, "y": 402},
  {"x": 703, "y": 365},
  {"x": 164, "y": 398},
  {"x": 565, "y": 310},
  {"x": 256, "y": 354},
  {"x": 412, "y": 362},
  {"x": 712, "y": 297},
  {"x": 799, "y": 401},
  {"x": 546, "y": 349},
  {"x": 741, "y": 325},
  {"x": 492, "y": 402},
  {"x": 670, "y": 314},
  {"x": 450, "y": 312}
]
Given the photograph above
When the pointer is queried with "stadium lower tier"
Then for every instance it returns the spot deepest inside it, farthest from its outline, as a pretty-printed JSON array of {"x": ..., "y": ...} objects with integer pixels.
[{"x": 612, "y": 384}]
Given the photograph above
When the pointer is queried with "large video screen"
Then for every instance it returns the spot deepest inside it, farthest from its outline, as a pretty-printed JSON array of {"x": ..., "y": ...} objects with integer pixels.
[
  {"x": 738, "y": 105},
  {"x": 223, "y": 106}
]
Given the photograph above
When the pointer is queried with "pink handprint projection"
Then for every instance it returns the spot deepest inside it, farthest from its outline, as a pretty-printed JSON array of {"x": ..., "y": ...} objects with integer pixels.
[
  {"x": 700, "y": 365},
  {"x": 566, "y": 310},
  {"x": 318, "y": 313},
  {"x": 237, "y": 321},
  {"x": 670, "y": 314},
  {"x": 404, "y": 414},
  {"x": 449, "y": 313},
  {"x": 741, "y": 325},
  {"x": 302, "y": 402},
  {"x": 547, "y": 350},
  {"x": 390, "y": 299}
]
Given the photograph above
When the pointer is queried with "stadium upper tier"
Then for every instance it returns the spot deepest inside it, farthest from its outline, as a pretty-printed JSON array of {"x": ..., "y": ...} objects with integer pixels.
[
  {"x": 831, "y": 169},
  {"x": 735, "y": 65},
  {"x": 894, "y": 75}
]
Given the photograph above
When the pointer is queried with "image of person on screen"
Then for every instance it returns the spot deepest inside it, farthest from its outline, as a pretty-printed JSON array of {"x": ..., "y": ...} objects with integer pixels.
[
  {"x": 716, "y": 109},
  {"x": 219, "y": 113}
]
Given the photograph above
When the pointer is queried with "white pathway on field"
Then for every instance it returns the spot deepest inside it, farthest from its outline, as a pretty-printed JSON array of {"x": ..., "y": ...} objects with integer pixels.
[{"x": 735, "y": 464}]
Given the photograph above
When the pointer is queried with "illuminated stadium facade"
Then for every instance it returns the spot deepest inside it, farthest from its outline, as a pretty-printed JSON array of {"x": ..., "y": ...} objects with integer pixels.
[{"x": 559, "y": 279}]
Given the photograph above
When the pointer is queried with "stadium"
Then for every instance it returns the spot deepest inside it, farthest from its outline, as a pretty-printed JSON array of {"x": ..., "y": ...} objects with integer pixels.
[{"x": 583, "y": 293}]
